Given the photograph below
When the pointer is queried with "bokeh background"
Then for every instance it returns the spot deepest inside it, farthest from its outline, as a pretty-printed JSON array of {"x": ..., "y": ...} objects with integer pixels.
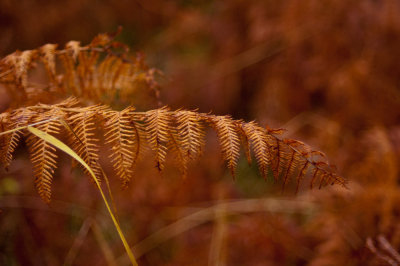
[{"x": 327, "y": 71}]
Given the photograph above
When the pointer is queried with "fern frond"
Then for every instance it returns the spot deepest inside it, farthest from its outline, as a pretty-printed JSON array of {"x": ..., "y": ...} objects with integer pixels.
[
  {"x": 140, "y": 137},
  {"x": 176, "y": 145},
  {"x": 48, "y": 57},
  {"x": 68, "y": 60},
  {"x": 20, "y": 63},
  {"x": 299, "y": 154},
  {"x": 43, "y": 155},
  {"x": 182, "y": 132},
  {"x": 187, "y": 137},
  {"x": 83, "y": 125},
  {"x": 302, "y": 174},
  {"x": 323, "y": 172},
  {"x": 18, "y": 118},
  {"x": 228, "y": 138},
  {"x": 67, "y": 103},
  {"x": 278, "y": 153},
  {"x": 107, "y": 73},
  {"x": 260, "y": 144},
  {"x": 82, "y": 73},
  {"x": 158, "y": 133},
  {"x": 245, "y": 142},
  {"x": 191, "y": 131},
  {"x": 120, "y": 133},
  {"x": 4, "y": 139},
  {"x": 86, "y": 74}
]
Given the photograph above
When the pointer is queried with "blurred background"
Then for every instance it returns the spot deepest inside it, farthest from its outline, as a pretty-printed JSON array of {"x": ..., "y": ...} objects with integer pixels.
[{"x": 327, "y": 71}]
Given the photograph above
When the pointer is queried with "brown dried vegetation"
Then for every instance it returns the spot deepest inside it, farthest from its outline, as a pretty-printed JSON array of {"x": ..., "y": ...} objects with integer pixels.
[
  {"x": 161, "y": 129},
  {"x": 327, "y": 68}
]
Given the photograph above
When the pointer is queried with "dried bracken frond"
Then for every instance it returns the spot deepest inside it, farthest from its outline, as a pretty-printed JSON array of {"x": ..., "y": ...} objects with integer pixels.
[
  {"x": 259, "y": 140},
  {"x": 43, "y": 154},
  {"x": 103, "y": 69},
  {"x": 229, "y": 139},
  {"x": 191, "y": 131},
  {"x": 187, "y": 137},
  {"x": 20, "y": 63},
  {"x": 48, "y": 57},
  {"x": 4, "y": 139},
  {"x": 119, "y": 131},
  {"x": 82, "y": 74},
  {"x": 84, "y": 141},
  {"x": 176, "y": 146},
  {"x": 158, "y": 130},
  {"x": 246, "y": 143},
  {"x": 17, "y": 119},
  {"x": 163, "y": 130}
]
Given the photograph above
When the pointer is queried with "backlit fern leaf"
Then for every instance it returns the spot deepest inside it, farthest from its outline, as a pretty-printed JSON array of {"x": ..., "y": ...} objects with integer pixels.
[
  {"x": 120, "y": 133},
  {"x": 228, "y": 138},
  {"x": 43, "y": 154}
]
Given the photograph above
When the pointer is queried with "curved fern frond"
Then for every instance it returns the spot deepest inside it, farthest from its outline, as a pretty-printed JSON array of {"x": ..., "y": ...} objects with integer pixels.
[{"x": 163, "y": 130}]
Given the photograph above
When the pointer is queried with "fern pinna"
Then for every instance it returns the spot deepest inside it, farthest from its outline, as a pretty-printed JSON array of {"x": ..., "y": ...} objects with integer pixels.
[{"x": 100, "y": 70}]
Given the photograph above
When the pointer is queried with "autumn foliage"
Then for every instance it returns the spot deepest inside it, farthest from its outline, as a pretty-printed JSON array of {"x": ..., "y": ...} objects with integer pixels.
[{"x": 223, "y": 91}]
